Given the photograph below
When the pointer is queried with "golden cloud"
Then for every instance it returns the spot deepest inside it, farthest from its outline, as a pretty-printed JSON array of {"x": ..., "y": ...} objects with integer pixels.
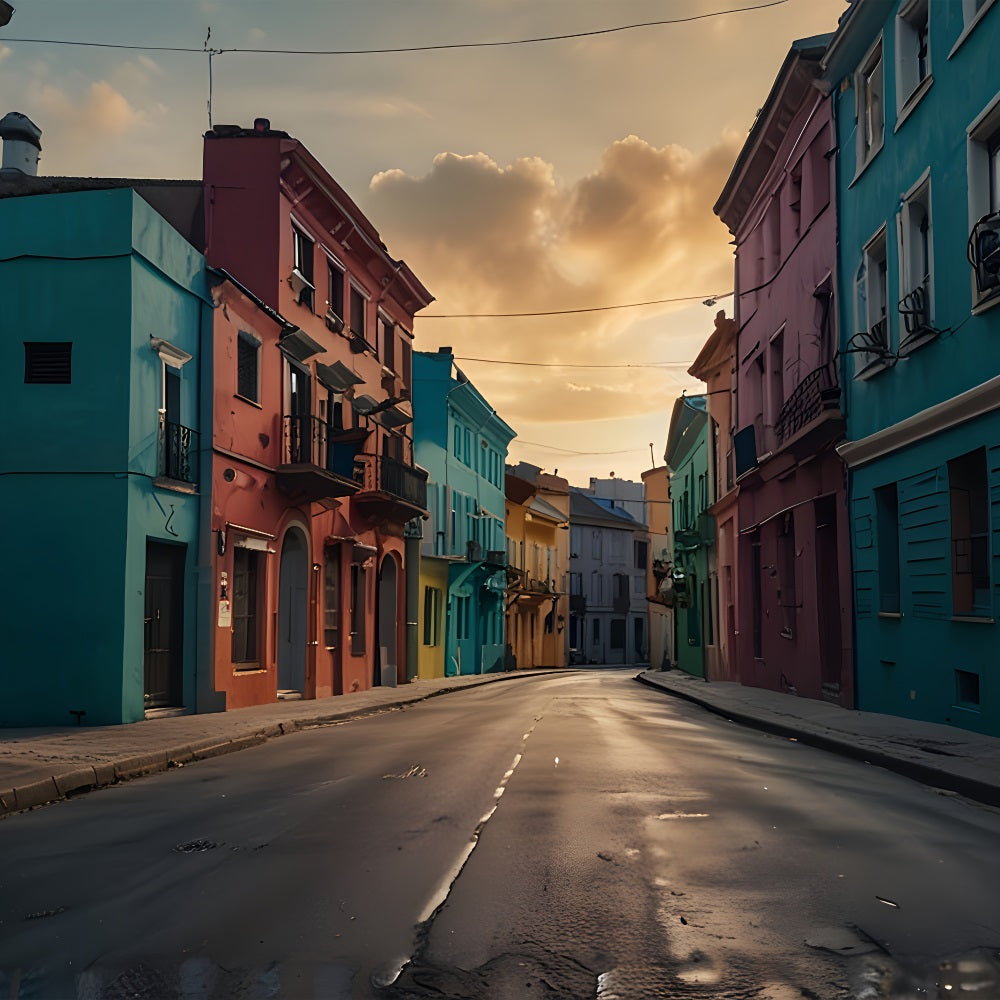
[{"x": 489, "y": 238}]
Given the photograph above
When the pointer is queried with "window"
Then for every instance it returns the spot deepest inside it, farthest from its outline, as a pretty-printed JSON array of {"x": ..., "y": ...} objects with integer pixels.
[
  {"x": 887, "y": 528},
  {"x": 970, "y": 534},
  {"x": 786, "y": 574},
  {"x": 915, "y": 263},
  {"x": 617, "y": 634},
  {"x": 816, "y": 177},
  {"x": 48, "y": 363},
  {"x": 432, "y": 616},
  {"x": 302, "y": 275},
  {"x": 967, "y": 689},
  {"x": 595, "y": 632},
  {"x": 246, "y": 591},
  {"x": 983, "y": 151},
  {"x": 775, "y": 377},
  {"x": 641, "y": 553},
  {"x": 617, "y": 539},
  {"x": 335, "y": 294},
  {"x": 971, "y": 9},
  {"x": 248, "y": 366},
  {"x": 406, "y": 360},
  {"x": 595, "y": 544},
  {"x": 873, "y": 338},
  {"x": 359, "y": 305},
  {"x": 869, "y": 88},
  {"x": 913, "y": 62},
  {"x": 387, "y": 342},
  {"x": 576, "y": 584},
  {"x": 331, "y": 598},
  {"x": 462, "y": 617},
  {"x": 358, "y": 587}
]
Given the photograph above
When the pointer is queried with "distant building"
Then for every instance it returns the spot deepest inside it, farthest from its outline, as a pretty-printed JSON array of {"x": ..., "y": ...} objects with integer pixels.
[
  {"x": 688, "y": 462},
  {"x": 659, "y": 572},
  {"x": 462, "y": 443},
  {"x": 537, "y": 620},
  {"x": 609, "y": 555}
]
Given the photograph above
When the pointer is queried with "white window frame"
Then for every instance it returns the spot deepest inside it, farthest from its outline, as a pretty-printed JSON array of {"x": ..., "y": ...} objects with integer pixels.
[
  {"x": 869, "y": 92},
  {"x": 910, "y": 85},
  {"x": 915, "y": 272},
  {"x": 303, "y": 277},
  {"x": 971, "y": 17},
  {"x": 871, "y": 301},
  {"x": 983, "y": 135}
]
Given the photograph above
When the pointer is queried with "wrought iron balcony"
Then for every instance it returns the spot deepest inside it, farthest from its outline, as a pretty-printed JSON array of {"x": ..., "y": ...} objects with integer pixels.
[
  {"x": 915, "y": 311},
  {"x": 389, "y": 489},
  {"x": 817, "y": 393},
  {"x": 984, "y": 254},
  {"x": 177, "y": 452},
  {"x": 317, "y": 460}
]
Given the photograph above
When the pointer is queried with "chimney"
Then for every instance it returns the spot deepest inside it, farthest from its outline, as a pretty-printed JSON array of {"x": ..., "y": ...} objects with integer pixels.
[{"x": 21, "y": 146}]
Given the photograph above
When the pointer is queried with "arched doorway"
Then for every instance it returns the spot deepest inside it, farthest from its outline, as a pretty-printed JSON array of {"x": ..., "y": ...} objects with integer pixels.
[
  {"x": 293, "y": 594},
  {"x": 386, "y": 654}
]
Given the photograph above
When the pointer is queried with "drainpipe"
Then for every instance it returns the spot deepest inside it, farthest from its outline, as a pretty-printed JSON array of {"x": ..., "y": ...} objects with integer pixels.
[{"x": 412, "y": 556}]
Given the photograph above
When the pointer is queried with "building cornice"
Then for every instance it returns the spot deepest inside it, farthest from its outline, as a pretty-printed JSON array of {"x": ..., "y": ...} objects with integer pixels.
[{"x": 966, "y": 406}]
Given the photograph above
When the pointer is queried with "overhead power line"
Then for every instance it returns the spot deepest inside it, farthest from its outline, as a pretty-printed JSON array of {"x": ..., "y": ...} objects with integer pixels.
[
  {"x": 706, "y": 299},
  {"x": 572, "y": 364},
  {"x": 405, "y": 48}
]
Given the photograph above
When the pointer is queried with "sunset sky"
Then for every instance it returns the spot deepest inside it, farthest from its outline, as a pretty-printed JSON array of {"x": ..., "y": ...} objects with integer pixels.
[{"x": 528, "y": 178}]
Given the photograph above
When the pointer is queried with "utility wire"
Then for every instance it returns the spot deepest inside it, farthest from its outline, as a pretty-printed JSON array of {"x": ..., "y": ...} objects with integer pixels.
[
  {"x": 407, "y": 48},
  {"x": 570, "y": 364},
  {"x": 706, "y": 300}
]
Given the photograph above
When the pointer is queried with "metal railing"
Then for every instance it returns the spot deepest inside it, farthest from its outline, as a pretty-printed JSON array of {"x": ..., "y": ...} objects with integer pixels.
[
  {"x": 177, "y": 451},
  {"x": 811, "y": 396},
  {"x": 309, "y": 440},
  {"x": 379, "y": 473}
]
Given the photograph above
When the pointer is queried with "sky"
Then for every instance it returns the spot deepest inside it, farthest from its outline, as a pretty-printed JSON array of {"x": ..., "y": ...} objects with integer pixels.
[{"x": 546, "y": 177}]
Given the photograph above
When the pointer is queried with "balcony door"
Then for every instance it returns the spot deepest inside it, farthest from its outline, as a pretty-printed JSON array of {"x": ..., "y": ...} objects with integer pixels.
[
  {"x": 386, "y": 655},
  {"x": 299, "y": 414}
]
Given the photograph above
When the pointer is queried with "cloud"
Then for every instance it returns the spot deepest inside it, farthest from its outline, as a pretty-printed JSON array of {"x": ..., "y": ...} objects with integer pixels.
[
  {"x": 256, "y": 35},
  {"x": 492, "y": 238},
  {"x": 4, "y": 52},
  {"x": 100, "y": 110}
]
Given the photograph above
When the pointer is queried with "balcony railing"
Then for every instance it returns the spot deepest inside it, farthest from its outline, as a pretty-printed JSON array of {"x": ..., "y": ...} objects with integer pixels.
[
  {"x": 818, "y": 391},
  {"x": 984, "y": 254},
  {"x": 915, "y": 311},
  {"x": 317, "y": 460},
  {"x": 379, "y": 474},
  {"x": 178, "y": 449}
]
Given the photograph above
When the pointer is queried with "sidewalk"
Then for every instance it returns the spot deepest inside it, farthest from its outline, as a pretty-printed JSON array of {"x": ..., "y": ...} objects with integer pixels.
[
  {"x": 943, "y": 756},
  {"x": 39, "y": 765}
]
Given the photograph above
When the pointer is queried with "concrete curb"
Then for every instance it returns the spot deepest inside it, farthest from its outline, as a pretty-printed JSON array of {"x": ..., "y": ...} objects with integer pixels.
[
  {"x": 973, "y": 788},
  {"x": 77, "y": 780}
]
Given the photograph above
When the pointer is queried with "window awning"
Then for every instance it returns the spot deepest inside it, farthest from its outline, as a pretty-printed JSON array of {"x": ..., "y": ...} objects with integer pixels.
[
  {"x": 299, "y": 345},
  {"x": 337, "y": 376}
]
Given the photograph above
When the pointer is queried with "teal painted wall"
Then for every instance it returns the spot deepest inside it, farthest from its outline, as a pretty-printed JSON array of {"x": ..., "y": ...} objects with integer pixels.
[
  {"x": 102, "y": 270},
  {"x": 462, "y": 443},
  {"x": 909, "y": 663}
]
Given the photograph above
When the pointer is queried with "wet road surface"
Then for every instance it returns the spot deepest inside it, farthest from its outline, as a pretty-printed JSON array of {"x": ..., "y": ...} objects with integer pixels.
[{"x": 571, "y": 836}]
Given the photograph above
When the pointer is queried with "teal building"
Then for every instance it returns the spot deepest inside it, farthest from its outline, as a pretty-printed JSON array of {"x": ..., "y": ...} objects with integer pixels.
[
  {"x": 104, "y": 309},
  {"x": 689, "y": 462},
  {"x": 918, "y": 288},
  {"x": 462, "y": 443}
]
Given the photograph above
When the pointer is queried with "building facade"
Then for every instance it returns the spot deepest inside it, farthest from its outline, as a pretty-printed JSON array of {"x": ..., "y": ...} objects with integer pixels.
[
  {"x": 537, "y": 506},
  {"x": 659, "y": 573},
  {"x": 462, "y": 443},
  {"x": 688, "y": 458},
  {"x": 918, "y": 132},
  {"x": 609, "y": 554},
  {"x": 793, "y": 560},
  {"x": 108, "y": 402}
]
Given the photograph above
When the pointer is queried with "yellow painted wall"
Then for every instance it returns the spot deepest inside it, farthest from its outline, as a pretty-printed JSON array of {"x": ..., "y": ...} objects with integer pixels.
[{"x": 430, "y": 659}]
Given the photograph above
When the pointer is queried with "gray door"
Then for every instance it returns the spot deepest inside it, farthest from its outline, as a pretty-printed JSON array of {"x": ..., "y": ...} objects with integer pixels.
[
  {"x": 164, "y": 624},
  {"x": 293, "y": 585},
  {"x": 387, "y": 656}
]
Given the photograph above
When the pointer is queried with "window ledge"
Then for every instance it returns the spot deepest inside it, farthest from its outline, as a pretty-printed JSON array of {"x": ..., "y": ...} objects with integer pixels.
[
  {"x": 986, "y": 302},
  {"x": 872, "y": 369},
  {"x": 975, "y": 619},
  {"x": 891, "y": 615},
  {"x": 920, "y": 340},
  {"x": 913, "y": 100},
  {"x": 248, "y": 400},
  {"x": 970, "y": 27},
  {"x": 863, "y": 166},
  {"x": 175, "y": 485},
  {"x": 250, "y": 668}
]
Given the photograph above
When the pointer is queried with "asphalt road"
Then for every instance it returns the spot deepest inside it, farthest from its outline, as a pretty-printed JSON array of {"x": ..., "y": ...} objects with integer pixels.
[{"x": 567, "y": 836}]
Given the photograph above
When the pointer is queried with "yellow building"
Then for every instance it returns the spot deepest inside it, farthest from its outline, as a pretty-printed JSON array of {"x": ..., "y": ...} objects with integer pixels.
[{"x": 537, "y": 528}]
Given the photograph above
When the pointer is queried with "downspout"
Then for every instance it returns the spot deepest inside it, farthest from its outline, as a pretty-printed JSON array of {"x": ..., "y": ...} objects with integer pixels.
[{"x": 411, "y": 553}]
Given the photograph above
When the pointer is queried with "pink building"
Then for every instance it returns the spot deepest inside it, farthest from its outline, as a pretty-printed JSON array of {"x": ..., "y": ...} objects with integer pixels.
[
  {"x": 793, "y": 625},
  {"x": 313, "y": 479}
]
